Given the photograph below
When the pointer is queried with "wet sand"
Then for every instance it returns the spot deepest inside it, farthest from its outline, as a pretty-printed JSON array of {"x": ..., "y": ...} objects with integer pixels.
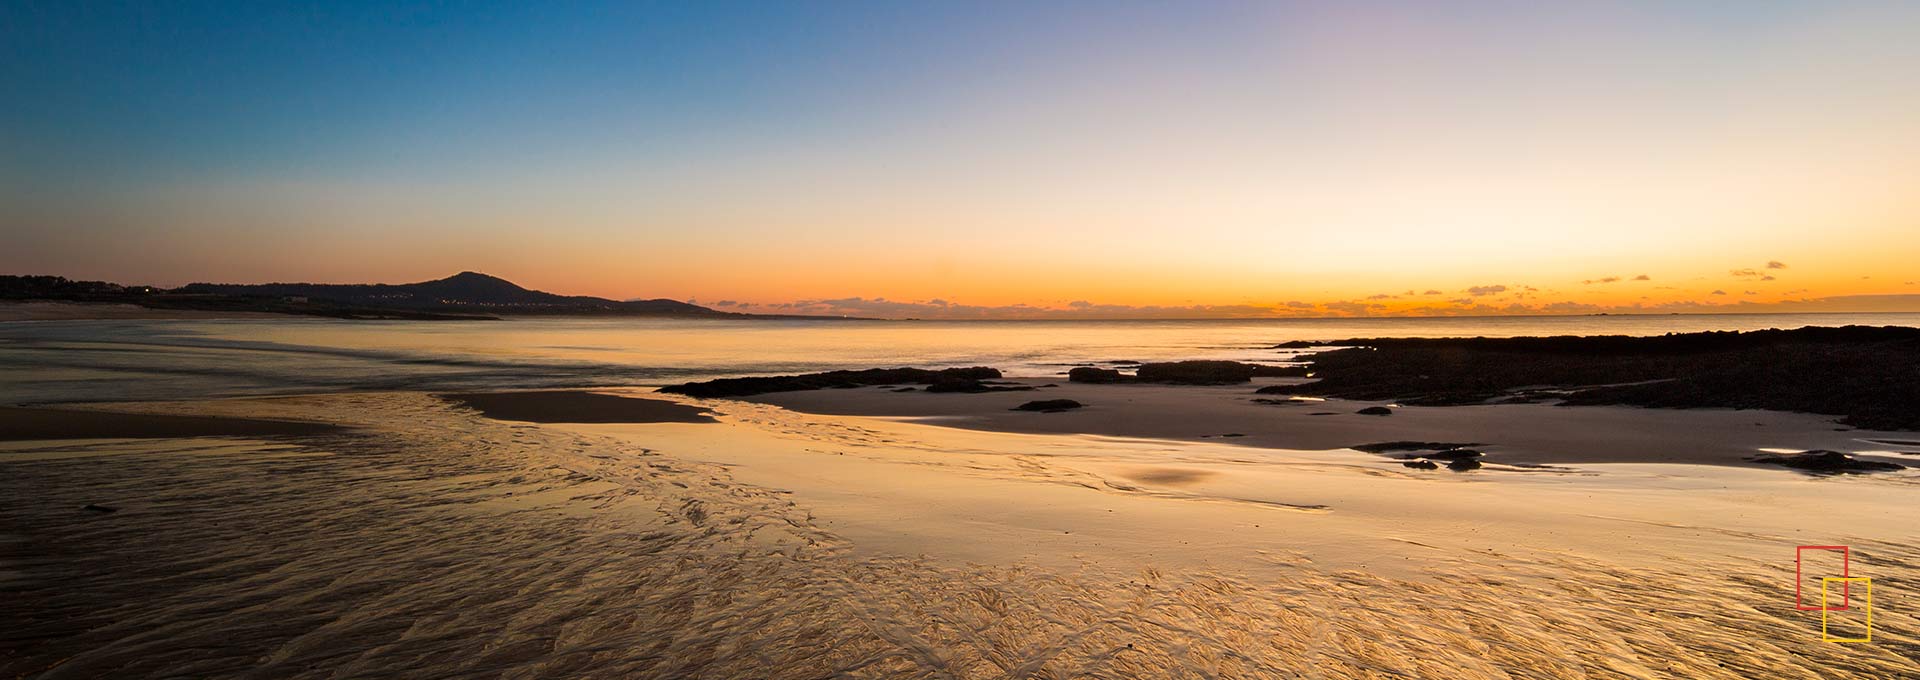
[
  {"x": 42, "y": 423},
  {"x": 1508, "y": 433},
  {"x": 432, "y": 541},
  {"x": 77, "y": 311},
  {"x": 575, "y": 406}
]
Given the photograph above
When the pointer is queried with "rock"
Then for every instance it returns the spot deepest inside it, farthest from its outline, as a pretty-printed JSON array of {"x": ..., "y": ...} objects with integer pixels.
[
  {"x": 1323, "y": 413},
  {"x": 1097, "y": 376},
  {"x": 1278, "y": 402},
  {"x": 1463, "y": 464},
  {"x": 907, "y": 389},
  {"x": 1827, "y": 462},
  {"x": 1294, "y": 344},
  {"x": 1197, "y": 372},
  {"x": 1264, "y": 371},
  {"x": 742, "y": 387},
  {"x": 1384, "y": 447},
  {"x": 1049, "y": 405},
  {"x": 1375, "y": 411},
  {"x": 1422, "y": 464},
  {"x": 1454, "y": 454},
  {"x": 1233, "y": 434},
  {"x": 1124, "y": 362},
  {"x": 98, "y": 508}
]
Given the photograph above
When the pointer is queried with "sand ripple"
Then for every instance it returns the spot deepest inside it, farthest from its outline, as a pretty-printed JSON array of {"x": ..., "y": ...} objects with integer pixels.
[{"x": 439, "y": 544}]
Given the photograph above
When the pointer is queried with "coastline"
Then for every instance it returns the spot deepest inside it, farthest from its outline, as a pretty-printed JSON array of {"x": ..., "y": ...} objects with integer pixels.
[
  {"x": 427, "y": 539},
  {"x": 1507, "y": 433}
]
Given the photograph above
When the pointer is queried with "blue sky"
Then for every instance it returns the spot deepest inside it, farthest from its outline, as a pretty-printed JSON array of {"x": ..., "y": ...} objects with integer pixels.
[{"x": 1145, "y": 153}]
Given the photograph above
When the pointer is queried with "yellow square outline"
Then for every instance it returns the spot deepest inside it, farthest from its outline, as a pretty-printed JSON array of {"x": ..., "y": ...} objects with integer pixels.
[{"x": 1868, "y": 600}]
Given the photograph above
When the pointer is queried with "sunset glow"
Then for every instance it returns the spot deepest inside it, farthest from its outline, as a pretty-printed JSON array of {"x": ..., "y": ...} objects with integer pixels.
[{"x": 1013, "y": 161}]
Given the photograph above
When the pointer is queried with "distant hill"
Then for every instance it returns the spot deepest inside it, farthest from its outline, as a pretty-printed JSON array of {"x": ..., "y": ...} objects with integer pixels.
[
  {"x": 465, "y": 292},
  {"x": 466, "y": 295}
]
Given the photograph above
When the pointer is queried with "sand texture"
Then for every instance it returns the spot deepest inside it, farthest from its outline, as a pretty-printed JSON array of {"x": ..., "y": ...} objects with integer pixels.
[{"x": 430, "y": 541}]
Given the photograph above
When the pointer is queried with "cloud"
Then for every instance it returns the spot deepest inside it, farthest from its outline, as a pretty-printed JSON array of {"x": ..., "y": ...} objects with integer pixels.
[
  {"x": 1745, "y": 272},
  {"x": 1296, "y": 304},
  {"x": 1382, "y": 296},
  {"x": 1079, "y": 304},
  {"x": 1776, "y": 264},
  {"x": 1352, "y": 307},
  {"x": 1768, "y": 277},
  {"x": 1478, "y": 291},
  {"x": 1609, "y": 279},
  {"x": 1718, "y": 292},
  {"x": 1431, "y": 291},
  {"x": 1643, "y": 277}
]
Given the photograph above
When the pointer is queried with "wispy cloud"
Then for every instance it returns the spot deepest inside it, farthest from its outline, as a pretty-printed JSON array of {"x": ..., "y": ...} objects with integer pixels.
[{"x": 1478, "y": 291}]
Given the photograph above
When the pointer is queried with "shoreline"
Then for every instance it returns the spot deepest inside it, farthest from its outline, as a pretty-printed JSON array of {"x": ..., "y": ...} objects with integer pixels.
[
  {"x": 1507, "y": 433},
  {"x": 427, "y": 539}
]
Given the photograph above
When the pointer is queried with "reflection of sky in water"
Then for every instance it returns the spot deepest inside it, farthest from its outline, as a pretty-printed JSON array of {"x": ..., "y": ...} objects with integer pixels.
[{"x": 138, "y": 359}]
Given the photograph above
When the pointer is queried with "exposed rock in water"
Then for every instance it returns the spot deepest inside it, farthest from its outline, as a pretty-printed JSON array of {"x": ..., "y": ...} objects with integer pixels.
[
  {"x": 1197, "y": 372},
  {"x": 1827, "y": 462},
  {"x": 1868, "y": 375},
  {"x": 1422, "y": 464},
  {"x": 1463, "y": 465},
  {"x": 1454, "y": 454},
  {"x": 1384, "y": 447},
  {"x": 742, "y": 387},
  {"x": 1375, "y": 411},
  {"x": 1049, "y": 405},
  {"x": 906, "y": 389},
  {"x": 1097, "y": 376},
  {"x": 967, "y": 386}
]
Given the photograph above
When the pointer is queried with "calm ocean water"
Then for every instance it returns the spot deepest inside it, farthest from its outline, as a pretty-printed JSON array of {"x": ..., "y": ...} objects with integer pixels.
[{"x": 56, "y": 361}]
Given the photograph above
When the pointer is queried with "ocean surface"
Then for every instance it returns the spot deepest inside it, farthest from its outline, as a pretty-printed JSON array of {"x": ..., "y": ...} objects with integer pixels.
[{"x": 121, "y": 360}]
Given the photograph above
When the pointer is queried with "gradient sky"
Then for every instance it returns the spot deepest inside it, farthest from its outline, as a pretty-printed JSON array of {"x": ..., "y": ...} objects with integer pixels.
[{"x": 978, "y": 158}]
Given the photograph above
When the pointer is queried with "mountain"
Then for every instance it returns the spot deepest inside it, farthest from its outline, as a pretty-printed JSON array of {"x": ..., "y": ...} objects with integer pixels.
[{"x": 465, "y": 292}]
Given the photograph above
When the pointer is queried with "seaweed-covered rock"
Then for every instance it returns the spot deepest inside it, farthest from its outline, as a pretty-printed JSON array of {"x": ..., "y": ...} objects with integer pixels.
[
  {"x": 1454, "y": 454},
  {"x": 1265, "y": 371},
  {"x": 1197, "y": 372},
  {"x": 1422, "y": 464},
  {"x": 742, "y": 387},
  {"x": 1375, "y": 411},
  {"x": 1049, "y": 405},
  {"x": 1097, "y": 376},
  {"x": 1830, "y": 462},
  {"x": 1383, "y": 447},
  {"x": 1463, "y": 464}
]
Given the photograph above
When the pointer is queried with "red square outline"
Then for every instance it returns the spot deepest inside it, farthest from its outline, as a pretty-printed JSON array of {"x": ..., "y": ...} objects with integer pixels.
[{"x": 1846, "y": 563}]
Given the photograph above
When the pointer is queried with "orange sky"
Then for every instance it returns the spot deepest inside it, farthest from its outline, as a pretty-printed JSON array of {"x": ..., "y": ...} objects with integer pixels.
[{"x": 1310, "y": 159}]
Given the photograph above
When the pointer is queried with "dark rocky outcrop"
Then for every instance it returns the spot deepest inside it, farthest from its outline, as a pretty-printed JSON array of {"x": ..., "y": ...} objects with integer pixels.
[
  {"x": 1384, "y": 447},
  {"x": 743, "y": 387},
  {"x": 950, "y": 385},
  {"x": 1868, "y": 375},
  {"x": 1463, "y": 464},
  {"x": 1829, "y": 462},
  {"x": 1197, "y": 372},
  {"x": 1454, "y": 454},
  {"x": 1422, "y": 465},
  {"x": 1375, "y": 411},
  {"x": 1049, "y": 405},
  {"x": 1097, "y": 376}
]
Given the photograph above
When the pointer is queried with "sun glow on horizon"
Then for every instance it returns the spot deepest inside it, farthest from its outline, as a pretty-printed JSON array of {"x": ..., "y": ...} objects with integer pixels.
[{"x": 1291, "y": 159}]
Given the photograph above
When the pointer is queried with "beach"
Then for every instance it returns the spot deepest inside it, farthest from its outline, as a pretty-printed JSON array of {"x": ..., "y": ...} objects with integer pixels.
[{"x": 798, "y": 540}]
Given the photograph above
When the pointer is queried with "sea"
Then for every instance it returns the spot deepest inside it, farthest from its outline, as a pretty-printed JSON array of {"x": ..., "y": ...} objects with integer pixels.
[{"x": 45, "y": 362}]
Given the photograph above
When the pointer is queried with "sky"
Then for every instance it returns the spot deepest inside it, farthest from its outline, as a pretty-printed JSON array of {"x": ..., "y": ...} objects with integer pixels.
[{"x": 982, "y": 159}]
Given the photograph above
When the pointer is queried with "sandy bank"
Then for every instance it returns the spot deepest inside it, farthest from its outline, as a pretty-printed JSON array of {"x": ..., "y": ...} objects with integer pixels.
[
  {"x": 1513, "y": 433},
  {"x": 428, "y": 541},
  {"x": 574, "y": 406},
  {"x": 76, "y": 311},
  {"x": 18, "y": 424}
]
